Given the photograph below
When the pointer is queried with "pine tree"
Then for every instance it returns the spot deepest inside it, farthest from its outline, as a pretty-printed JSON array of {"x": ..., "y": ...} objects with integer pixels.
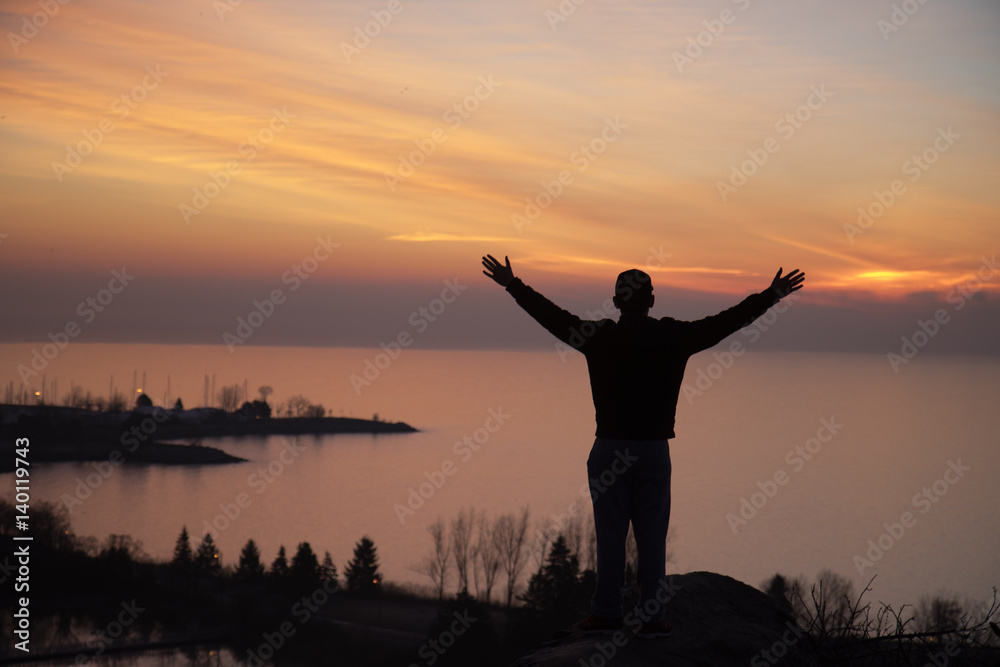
[
  {"x": 328, "y": 572},
  {"x": 183, "y": 556},
  {"x": 362, "y": 572},
  {"x": 207, "y": 559},
  {"x": 779, "y": 589},
  {"x": 555, "y": 589},
  {"x": 305, "y": 568},
  {"x": 250, "y": 567},
  {"x": 279, "y": 568}
]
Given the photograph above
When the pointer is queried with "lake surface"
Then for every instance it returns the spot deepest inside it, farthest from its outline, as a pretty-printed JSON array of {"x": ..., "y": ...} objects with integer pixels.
[{"x": 870, "y": 443}]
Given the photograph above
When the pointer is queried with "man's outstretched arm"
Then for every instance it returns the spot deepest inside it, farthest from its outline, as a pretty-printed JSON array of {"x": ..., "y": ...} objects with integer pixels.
[
  {"x": 783, "y": 286},
  {"x": 562, "y": 324},
  {"x": 703, "y": 334},
  {"x": 502, "y": 275}
]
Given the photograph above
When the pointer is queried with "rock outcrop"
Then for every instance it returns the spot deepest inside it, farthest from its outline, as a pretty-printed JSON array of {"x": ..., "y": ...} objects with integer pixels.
[{"x": 717, "y": 622}]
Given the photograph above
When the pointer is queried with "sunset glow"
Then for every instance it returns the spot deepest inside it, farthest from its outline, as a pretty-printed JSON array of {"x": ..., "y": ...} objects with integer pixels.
[
  {"x": 194, "y": 140},
  {"x": 371, "y": 318}
]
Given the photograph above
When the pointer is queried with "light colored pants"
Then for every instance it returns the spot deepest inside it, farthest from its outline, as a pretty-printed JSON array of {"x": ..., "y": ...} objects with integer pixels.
[{"x": 629, "y": 481}]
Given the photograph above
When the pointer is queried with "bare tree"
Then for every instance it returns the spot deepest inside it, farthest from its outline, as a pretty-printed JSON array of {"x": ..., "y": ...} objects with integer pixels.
[
  {"x": 937, "y": 613},
  {"x": 537, "y": 545},
  {"x": 581, "y": 538},
  {"x": 632, "y": 551},
  {"x": 461, "y": 538},
  {"x": 229, "y": 397},
  {"x": 574, "y": 531},
  {"x": 578, "y": 533},
  {"x": 298, "y": 405},
  {"x": 75, "y": 398},
  {"x": 510, "y": 533},
  {"x": 116, "y": 402},
  {"x": 856, "y": 633},
  {"x": 485, "y": 557},
  {"x": 841, "y": 592},
  {"x": 436, "y": 564},
  {"x": 265, "y": 391},
  {"x": 589, "y": 557},
  {"x": 828, "y": 609}
]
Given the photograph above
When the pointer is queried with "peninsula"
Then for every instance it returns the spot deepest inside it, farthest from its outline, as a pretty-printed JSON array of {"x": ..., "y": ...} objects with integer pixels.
[{"x": 149, "y": 434}]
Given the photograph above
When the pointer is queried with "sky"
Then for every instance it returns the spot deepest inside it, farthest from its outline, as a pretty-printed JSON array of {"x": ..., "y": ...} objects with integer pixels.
[{"x": 181, "y": 163}]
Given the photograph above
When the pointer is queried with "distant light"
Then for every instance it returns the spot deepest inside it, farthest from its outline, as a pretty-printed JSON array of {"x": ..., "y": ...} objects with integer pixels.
[
  {"x": 215, "y": 556},
  {"x": 139, "y": 390},
  {"x": 38, "y": 393}
]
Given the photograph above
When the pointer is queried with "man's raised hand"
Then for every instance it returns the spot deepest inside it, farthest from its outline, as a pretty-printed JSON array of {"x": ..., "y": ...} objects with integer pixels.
[
  {"x": 785, "y": 285},
  {"x": 503, "y": 275}
]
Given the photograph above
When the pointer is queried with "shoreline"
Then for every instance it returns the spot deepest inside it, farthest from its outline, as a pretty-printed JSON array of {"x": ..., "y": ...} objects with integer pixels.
[
  {"x": 152, "y": 452},
  {"x": 59, "y": 434}
]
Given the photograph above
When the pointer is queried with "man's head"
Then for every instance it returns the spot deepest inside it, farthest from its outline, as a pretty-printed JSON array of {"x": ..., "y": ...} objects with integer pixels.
[{"x": 633, "y": 292}]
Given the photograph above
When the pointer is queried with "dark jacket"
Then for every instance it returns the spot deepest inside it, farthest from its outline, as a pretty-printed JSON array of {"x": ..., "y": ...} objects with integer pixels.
[{"x": 637, "y": 363}]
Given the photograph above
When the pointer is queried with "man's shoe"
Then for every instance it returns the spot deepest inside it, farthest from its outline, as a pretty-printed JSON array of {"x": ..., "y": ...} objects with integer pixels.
[
  {"x": 655, "y": 629},
  {"x": 599, "y": 625}
]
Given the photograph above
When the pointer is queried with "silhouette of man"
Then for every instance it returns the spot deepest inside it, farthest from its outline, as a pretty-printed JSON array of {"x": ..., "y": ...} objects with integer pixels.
[{"x": 636, "y": 367}]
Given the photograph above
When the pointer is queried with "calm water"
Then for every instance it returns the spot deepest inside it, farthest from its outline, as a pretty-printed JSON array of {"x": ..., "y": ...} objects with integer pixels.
[{"x": 893, "y": 436}]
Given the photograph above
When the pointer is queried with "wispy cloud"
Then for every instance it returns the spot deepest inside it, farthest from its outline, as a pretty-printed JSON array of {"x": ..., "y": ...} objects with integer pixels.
[
  {"x": 426, "y": 237},
  {"x": 654, "y": 184}
]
